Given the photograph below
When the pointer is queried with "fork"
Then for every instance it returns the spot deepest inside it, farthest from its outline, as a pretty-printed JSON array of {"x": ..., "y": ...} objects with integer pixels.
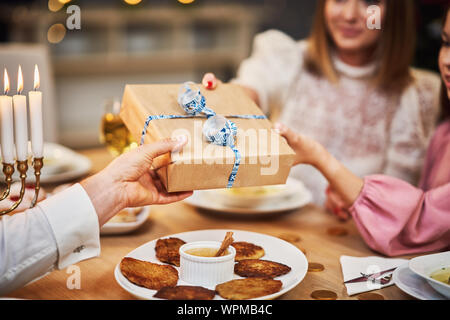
[
  {"x": 373, "y": 276},
  {"x": 383, "y": 280}
]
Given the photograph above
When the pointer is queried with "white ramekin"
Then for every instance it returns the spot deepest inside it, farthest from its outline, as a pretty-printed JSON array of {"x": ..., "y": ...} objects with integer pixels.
[{"x": 206, "y": 271}]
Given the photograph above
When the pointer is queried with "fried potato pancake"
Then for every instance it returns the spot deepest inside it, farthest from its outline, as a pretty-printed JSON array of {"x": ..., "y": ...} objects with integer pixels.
[
  {"x": 260, "y": 268},
  {"x": 185, "y": 293},
  {"x": 149, "y": 275},
  {"x": 167, "y": 250},
  {"x": 248, "y": 288},
  {"x": 246, "y": 250}
]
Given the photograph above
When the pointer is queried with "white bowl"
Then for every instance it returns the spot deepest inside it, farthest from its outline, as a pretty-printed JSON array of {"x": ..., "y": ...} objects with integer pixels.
[
  {"x": 424, "y": 266},
  {"x": 206, "y": 271}
]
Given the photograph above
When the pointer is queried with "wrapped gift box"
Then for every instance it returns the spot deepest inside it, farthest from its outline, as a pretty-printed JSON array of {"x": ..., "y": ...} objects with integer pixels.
[{"x": 266, "y": 157}]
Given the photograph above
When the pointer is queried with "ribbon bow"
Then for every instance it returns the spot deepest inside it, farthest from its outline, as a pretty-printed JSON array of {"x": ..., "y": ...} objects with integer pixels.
[{"x": 217, "y": 129}]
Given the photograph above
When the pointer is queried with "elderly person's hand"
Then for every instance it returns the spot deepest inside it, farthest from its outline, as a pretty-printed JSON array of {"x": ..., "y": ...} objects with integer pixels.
[{"x": 130, "y": 181}]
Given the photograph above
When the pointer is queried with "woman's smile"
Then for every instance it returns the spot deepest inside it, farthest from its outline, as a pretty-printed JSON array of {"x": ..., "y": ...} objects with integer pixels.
[{"x": 350, "y": 32}]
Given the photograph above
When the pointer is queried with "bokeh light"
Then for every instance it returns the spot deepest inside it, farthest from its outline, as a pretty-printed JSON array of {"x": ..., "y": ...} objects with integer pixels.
[
  {"x": 54, "y": 5},
  {"x": 132, "y": 2},
  {"x": 56, "y": 33},
  {"x": 186, "y": 1}
]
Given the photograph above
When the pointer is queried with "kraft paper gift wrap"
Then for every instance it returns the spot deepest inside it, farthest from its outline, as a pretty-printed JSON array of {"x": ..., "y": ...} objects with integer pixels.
[{"x": 266, "y": 156}]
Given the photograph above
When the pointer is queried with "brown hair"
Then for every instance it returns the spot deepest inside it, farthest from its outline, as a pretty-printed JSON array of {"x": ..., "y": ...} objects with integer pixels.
[
  {"x": 395, "y": 50},
  {"x": 445, "y": 101},
  {"x": 445, "y": 104}
]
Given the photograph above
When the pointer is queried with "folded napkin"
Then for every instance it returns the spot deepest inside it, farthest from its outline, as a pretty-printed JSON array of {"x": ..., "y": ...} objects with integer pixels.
[{"x": 353, "y": 266}]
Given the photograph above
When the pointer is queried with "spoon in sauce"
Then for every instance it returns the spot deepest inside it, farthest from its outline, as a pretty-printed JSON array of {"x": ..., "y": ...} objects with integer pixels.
[{"x": 225, "y": 244}]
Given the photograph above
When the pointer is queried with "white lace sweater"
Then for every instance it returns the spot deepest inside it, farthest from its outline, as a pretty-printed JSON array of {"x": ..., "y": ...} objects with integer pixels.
[{"x": 368, "y": 130}]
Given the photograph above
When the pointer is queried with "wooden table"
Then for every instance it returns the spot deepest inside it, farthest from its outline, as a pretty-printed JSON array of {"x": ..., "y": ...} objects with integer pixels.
[{"x": 310, "y": 223}]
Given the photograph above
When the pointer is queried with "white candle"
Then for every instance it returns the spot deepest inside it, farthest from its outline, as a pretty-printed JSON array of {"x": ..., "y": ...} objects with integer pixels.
[
  {"x": 35, "y": 100},
  {"x": 20, "y": 120},
  {"x": 7, "y": 122}
]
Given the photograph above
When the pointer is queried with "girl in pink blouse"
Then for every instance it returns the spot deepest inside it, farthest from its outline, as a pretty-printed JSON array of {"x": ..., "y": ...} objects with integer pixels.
[{"x": 394, "y": 217}]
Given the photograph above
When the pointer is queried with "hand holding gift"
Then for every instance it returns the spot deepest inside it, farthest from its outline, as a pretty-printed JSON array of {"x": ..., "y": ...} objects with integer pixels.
[
  {"x": 130, "y": 181},
  {"x": 210, "y": 82},
  {"x": 309, "y": 151},
  {"x": 66, "y": 225},
  {"x": 231, "y": 142}
]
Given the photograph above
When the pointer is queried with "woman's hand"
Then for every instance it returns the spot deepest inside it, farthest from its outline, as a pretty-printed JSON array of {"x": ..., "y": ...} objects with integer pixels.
[
  {"x": 344, "y": 183},
  {"x": 129, "y": 181},
  {"x": 336, "y": 205},
  {"x": 210, "y": 81},
  {"x": 307, "y": 150}
]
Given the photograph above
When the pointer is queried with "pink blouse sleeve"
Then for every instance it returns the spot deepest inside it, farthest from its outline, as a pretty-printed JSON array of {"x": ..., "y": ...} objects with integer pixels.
[{"x": 395, "y": 218}]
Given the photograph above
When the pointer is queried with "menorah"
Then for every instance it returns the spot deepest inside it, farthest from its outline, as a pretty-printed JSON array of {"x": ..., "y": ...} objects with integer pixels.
[
  {"x": 22, "y": 168},
  {"x": 14, "y": 126}
]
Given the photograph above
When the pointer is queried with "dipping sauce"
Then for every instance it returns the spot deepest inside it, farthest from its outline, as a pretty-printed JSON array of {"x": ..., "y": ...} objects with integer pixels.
[
  {"x": 442, "y": 275},
  {"x": 205, "y": 252}
]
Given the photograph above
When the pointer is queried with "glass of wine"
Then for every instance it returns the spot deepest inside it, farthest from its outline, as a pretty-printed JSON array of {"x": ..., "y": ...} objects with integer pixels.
[{"x": 113, "y": 132}]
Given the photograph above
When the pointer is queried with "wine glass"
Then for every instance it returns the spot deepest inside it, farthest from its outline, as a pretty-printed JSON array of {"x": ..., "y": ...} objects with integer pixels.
[{"x": 113, "y": 132}]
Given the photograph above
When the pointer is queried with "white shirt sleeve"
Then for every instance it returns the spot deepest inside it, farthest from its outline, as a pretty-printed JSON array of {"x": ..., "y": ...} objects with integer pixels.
[
  {"x": 60, "y": 231},
  {"x": 270, "y": 70}
]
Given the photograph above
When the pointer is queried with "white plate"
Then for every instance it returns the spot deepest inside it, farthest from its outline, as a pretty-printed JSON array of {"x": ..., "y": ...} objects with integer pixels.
[
  {"x": 414, "y": 285},
  {"x": 60, "y": 164},
  {"x": 247, "y": 198},
  {"x": 424, "y": 266},
  {"x": 297, "y": 197},
  {"x": 276, "y": 250},
  {"x": 125, "y": 227}
]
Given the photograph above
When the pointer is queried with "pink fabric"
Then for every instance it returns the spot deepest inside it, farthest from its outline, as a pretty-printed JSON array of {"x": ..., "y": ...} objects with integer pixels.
[
  {"x": 437, "y": 164},
  {"x": 395, "y": 218}
]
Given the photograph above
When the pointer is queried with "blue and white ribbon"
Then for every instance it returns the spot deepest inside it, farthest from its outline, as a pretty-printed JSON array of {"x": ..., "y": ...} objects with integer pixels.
[{"x": 217, "y": 129}]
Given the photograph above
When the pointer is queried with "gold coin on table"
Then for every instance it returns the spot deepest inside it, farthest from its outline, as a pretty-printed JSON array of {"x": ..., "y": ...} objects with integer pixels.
[
  {"x": 337, "y": 231},
  {"x": 315, "y": 267},
  {"x": 370, "y": 296},
  {"x": 290, "y": 237},
  {"x": 324, "y": 295}
]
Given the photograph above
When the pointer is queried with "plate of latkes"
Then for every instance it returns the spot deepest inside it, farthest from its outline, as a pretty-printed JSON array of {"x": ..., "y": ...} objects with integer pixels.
[
  {"x": 253, "y": 200},
  {"x": 126, "y": 221},
  {"x": 265, "y": 268}
]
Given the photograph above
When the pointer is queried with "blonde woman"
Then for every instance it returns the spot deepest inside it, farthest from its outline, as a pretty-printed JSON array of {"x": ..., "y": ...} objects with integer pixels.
[
  {"x": 395, "y": 217},
  {"x": 348, "y": 87}
]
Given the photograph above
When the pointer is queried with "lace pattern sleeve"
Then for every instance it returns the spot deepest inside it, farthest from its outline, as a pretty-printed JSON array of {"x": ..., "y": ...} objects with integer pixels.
[
  {"x": 412, "y": 127},
  {"x": 271, "y": 68}
]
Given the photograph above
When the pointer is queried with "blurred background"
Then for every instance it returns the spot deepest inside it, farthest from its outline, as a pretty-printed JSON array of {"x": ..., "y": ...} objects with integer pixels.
[{"x": 84, "y": 71}]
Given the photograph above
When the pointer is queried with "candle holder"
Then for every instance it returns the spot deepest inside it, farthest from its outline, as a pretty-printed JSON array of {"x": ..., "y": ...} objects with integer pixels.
[
  {"x": 38, "y": 163},
  {"x": 8, "y": 170},
  {"x": 22, "y": 168}
]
